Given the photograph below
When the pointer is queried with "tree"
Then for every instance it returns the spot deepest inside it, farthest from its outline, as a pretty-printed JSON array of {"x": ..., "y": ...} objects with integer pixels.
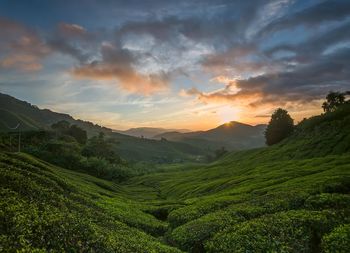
[
  {"x": 100, "y": 147},
  {"x": 61, "y": 126},
  {"x": 79, "y": 134},
  {"x": 334, "y": 100},
  {"x": 76, "y": 132},
  {"x": 280, "y": 126}
]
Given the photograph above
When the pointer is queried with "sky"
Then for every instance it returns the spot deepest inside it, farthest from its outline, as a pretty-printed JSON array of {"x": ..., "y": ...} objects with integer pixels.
[{"x": 175, "y": 64}]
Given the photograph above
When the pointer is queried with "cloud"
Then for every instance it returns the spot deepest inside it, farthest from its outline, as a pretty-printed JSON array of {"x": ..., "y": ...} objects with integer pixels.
[
  {"x": 118, "y": 64},
  {"x": 72, "y": 30},
  {"x": 316, "y": 45},
  {"x": 325, "y": 11},
  {"x": 20, "y": 47},
  {"x": 63, "y": 46},
  {"x": 74, "y": 40},
  {"x": 304, "y": 84}
]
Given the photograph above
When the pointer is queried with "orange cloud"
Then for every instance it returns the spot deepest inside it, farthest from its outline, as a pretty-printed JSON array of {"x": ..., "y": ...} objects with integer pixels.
[
  {"x": 118, "y": 64},
  {"x": 20, "y": 47},
  {"x": 128, "y": 78}
]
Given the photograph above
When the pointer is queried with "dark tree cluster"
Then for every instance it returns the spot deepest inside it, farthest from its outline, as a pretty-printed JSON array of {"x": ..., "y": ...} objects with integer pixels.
[
  {"x": 280, "y": 126},
  {"x": 76, "y": 132},
  {"x": 334, "y": 100}
]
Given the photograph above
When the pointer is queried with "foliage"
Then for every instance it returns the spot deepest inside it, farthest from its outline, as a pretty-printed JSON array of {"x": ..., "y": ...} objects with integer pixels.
[
  {"x": 280, "y": 126},
  {"x": 98, "y": 146},
  {"x": 45, "y": 208},
  {"x": 64, "y": 127},
  {"x": 289, "y": 197},
  {"x": 334, "y": 100},
  {"x": 292, "y": 231},
  {"x": 338, "y": 240}
]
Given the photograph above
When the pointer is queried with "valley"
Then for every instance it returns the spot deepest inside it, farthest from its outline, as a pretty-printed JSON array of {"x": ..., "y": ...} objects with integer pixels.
[{"x": 293, "y": 196}]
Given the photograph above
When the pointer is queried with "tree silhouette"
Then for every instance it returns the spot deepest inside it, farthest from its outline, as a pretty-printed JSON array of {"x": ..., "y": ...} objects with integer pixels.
[
  {"x": 334, "y": 100},
  {"x": 280, "y": 126}
]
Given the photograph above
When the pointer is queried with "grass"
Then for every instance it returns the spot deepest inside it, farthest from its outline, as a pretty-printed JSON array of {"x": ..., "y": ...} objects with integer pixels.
[{"x": 291, "y": 197}]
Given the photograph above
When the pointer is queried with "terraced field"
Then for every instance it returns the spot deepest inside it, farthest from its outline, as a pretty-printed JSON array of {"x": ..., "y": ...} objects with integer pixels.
[{"x": 291, "y": 197}]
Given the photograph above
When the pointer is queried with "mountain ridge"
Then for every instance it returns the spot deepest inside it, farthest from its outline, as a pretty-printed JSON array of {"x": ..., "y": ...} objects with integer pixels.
[
  {"x": 232, "y": 135},
  {"x": 31, "y": 117}
]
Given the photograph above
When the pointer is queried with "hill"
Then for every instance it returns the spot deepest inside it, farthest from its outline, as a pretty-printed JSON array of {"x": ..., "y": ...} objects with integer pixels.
[
  {"x": 233, "y": 135},
  {"x": 31, "y": 118},
  {"x": 290, "y": 197},
  {"x": 157, "y": 151},
  {"x": 149, "y": 132}
]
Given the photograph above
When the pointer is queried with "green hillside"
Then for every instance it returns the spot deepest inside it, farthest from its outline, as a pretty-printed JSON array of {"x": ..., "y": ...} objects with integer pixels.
[
  {"x": 232, "y": 135},
  {"x": 290, "y": 197},
  {"x": 157, "y": 151},
  {"x": 9, "y": 121},
  {"x": 31, "y": 118},
  {"x": 46, "y": 207}
]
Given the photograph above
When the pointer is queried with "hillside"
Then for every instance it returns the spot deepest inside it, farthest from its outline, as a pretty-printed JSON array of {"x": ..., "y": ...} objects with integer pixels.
[
  {"x": 290, "y": 197},
  {"x": 31, "y": 118},
  {"x": 149, "y": 132},
  {"x": 232, "y": 135}
]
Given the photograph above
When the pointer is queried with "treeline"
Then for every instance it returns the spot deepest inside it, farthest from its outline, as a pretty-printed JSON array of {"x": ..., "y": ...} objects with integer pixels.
[
  {"x": 281, "y": 124},
  {"x": 68, "y": 146}
]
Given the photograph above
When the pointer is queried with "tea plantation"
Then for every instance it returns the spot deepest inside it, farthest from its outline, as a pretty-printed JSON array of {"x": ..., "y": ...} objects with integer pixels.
[{"x": 290, "y": 197}]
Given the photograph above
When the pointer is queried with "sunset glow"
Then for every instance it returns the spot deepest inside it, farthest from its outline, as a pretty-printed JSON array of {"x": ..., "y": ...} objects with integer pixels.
[{"x": 183, "y": 64}]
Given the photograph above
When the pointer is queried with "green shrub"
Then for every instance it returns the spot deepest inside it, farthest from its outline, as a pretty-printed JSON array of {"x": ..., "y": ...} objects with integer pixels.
[
  {"x": 292, "y": 231},
  {"x": 338, "y": 240}
]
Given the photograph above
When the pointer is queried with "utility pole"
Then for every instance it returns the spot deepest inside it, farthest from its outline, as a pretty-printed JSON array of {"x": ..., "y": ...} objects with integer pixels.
[
  {"x": 19, "y": 135},
  {"x": 19, "y": 142}
]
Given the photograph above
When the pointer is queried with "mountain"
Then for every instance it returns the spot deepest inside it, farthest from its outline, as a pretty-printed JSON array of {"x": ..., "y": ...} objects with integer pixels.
[
  {"x": 232, "y": 135},
  {"x": 14, "y": 111},
  {"x": 290, "y": 197},
  {"x": 149, "y": 132},
  {"x": 31, "y": 118}
]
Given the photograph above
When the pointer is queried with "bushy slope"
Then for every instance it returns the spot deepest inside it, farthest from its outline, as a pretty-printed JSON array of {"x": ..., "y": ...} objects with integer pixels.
[
  {"x": 30, "y": 117},
  {"x": 291, "y": 197},
  {"x": 157, "y": 151},
  {"x": 45, "y": 207}
]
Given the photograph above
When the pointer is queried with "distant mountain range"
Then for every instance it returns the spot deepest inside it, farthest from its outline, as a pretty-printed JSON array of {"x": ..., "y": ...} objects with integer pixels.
[
  {"x": 157, "y": 144},
  {"x": 232, "y": 135},
  {"x": 149, "y": 132}
]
